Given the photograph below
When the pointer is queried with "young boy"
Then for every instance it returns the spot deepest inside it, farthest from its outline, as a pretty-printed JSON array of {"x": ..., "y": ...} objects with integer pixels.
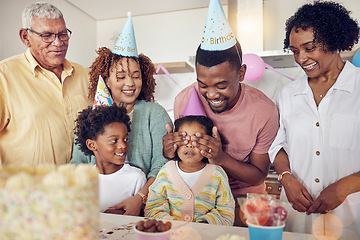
[{"x": 103, "y": 132}]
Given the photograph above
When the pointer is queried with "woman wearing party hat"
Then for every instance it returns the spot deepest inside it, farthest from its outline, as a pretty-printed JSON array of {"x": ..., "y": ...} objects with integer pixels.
[{"x": 130, "y": 82}]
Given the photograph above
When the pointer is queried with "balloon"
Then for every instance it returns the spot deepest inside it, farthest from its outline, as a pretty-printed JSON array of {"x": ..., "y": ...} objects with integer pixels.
[
  {"x": 255, "y": 67},
  {"x": 356, "y": 59}
]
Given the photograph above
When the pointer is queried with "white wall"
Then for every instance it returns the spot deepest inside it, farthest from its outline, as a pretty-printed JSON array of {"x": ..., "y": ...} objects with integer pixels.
[
  {"x": 174, "y": 36},
  {"x": 277, "y": 11},
  {"x": 82, "y": 43},
  {"x": 164, "y": 37}
]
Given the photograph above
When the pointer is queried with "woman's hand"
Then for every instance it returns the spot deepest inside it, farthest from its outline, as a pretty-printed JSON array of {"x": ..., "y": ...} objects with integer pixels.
[
  {"x": 296, "y": 193},
  {"x": 173, "y": 140},
  {"x": 330, "y": 198},
  {"x": 131, "y": 206}
]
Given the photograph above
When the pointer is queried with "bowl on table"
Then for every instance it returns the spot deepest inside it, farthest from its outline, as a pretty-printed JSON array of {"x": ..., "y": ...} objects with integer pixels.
[{"x": 152, "y": 229}]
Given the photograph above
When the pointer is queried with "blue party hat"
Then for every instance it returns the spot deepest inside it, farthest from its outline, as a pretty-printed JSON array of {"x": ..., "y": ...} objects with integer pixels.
[
  {"x": 102, "y": 96},
  {"x": 217, "y": 34},
  {"x": 126, "y": 44}
]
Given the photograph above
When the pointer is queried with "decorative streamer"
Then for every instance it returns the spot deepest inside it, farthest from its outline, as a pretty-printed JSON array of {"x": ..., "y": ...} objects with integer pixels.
[
  {"x": 271, "y": 68},
  {"x": 160, "y": 66}
]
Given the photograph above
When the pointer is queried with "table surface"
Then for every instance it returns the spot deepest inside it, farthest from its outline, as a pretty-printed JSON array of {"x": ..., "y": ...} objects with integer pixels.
[{"x": 113, "y": 226}]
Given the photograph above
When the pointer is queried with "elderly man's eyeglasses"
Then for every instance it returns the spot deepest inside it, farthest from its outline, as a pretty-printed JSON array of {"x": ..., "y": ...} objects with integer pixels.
[{"x": 50, "y": 37}]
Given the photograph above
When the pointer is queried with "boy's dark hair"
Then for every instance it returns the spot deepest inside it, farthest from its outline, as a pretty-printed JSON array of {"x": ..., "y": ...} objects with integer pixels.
[
  {"x": 91, "y": 122},
  {"x": 331, "y": 22},
  {"x": 204, "y": 121},
  {"x": 209, "y": 59}
]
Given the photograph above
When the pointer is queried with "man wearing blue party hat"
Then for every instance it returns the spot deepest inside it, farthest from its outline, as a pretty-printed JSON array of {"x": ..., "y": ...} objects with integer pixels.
[
  {"x": 128, "y": 77},
  {"x": 247, "y": 119}
]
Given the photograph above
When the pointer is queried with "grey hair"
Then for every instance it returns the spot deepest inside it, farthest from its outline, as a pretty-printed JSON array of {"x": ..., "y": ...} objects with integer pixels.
[{"x": 40, "y": 9}]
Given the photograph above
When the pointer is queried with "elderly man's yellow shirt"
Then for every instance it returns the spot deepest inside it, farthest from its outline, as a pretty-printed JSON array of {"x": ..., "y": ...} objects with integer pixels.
[{"x": 37, "y": 111}]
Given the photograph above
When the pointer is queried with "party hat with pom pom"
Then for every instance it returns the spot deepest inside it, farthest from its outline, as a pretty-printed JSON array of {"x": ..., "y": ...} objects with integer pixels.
[
  {"x": 217, "y": 35},
  {"x": 126, "y": 44},
  {"x": 194, "y": 106},
  {"x": 102, "y": 96}
]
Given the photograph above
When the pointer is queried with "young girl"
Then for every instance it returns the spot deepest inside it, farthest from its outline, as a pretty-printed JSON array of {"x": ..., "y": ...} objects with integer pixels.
[
  {"x": 103, "y": 132},
  {"x": 191, "y": 189}
]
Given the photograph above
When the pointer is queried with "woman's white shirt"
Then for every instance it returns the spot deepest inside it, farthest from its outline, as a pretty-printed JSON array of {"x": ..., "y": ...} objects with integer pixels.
[{"x": 322, "y": 142}]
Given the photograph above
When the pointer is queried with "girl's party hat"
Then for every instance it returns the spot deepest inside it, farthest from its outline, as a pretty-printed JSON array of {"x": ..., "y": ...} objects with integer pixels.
[{"x": 194, "y": 106}]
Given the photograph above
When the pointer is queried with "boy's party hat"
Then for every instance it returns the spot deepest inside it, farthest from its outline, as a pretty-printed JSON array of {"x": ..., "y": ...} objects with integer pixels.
[
  {"x": 194, "y": 106},
  {"x": 217, "y": 34},
  {"x": 102, "y": 96},
  {"x": 126, "y": 44}
]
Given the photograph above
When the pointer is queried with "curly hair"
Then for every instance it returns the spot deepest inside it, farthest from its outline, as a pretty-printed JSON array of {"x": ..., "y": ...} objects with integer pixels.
[
  {"x": 106, "y": 60},
  {"x": 331, "y": 22},
  {"x": 91, "y": 123},
  {"x": 212, "y": 58}
]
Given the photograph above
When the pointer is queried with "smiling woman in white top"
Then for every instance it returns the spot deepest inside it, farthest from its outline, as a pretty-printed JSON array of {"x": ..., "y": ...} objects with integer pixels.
[{"x": 317, "y": 148}]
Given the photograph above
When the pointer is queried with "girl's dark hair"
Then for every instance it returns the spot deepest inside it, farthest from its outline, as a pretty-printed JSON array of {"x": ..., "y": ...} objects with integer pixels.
[
  {"x": 91, "y": 122},
  {"x": 212, "y": 58},
  {"x": 205, "y": 122},
  {"x": 106, "y": 60},
  {"x": 331, "y": 22}
]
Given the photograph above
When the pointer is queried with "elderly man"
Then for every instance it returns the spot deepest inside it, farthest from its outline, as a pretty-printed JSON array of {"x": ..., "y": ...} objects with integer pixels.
[{"x": 40, "y": 92}]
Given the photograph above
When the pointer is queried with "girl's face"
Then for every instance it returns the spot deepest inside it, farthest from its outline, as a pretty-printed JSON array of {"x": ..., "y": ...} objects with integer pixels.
[
  {"x": 309, "y": 55},
  {"x": 112, "y": 146},
  {"x": 125, "y": 82},
  {"x": 190, "y": 155}
]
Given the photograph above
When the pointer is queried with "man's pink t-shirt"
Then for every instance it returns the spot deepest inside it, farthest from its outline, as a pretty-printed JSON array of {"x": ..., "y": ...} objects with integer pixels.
[{"x": 251, "y": 125}]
